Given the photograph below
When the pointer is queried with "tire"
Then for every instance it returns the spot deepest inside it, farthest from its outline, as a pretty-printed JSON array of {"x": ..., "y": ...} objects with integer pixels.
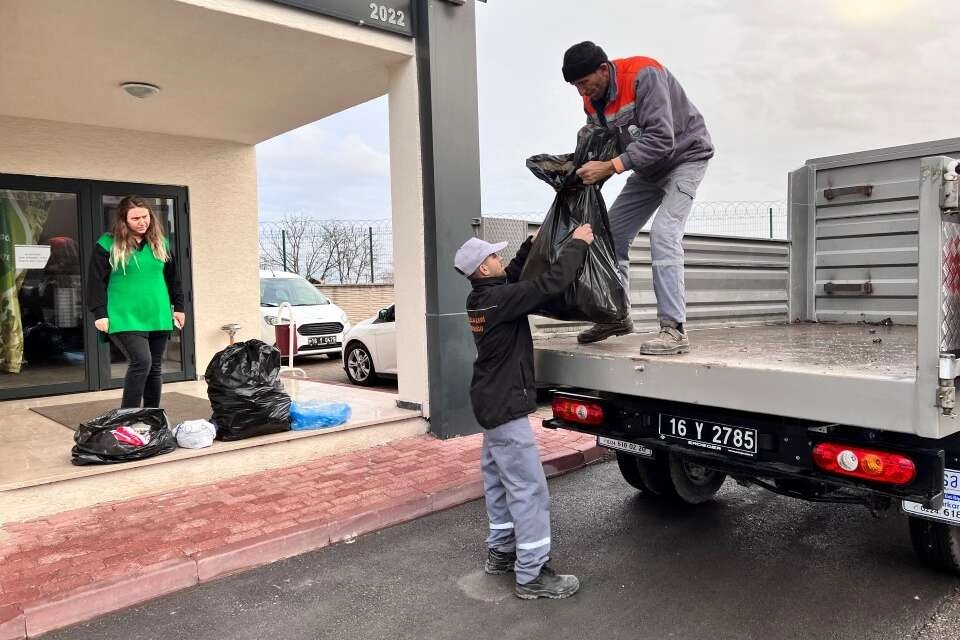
[
  {"x": 630, "y": 470},
  {"x": 652, "y": 477},
  {"x": 693, "y": 483},
  {"x": 656, "y": 477},
  {"x": 671, "y": 477},
  {"x": 359, "y": 365},
  {"x": 937, "y": 544}
]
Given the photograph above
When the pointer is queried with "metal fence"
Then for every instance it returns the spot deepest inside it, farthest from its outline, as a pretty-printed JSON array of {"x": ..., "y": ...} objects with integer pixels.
[
  {"x": 361, "y": 251},
  {"x": 329, "y": 251},
  {"x": 742, "y": 218},
  {"x": 752, "y": 219}
]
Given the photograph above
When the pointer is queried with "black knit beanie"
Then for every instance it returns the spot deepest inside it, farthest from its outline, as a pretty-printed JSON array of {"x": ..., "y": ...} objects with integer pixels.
[{"x": 581, "y": 60}]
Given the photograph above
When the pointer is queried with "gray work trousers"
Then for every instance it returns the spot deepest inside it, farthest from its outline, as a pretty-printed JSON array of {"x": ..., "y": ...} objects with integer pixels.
[
  {"x": 518, "y": 501},
  {"x": 673, "y": 195}
]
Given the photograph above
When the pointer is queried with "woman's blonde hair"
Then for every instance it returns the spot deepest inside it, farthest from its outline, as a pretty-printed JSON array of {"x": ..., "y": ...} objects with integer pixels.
[{"x": 124, "y": 244}]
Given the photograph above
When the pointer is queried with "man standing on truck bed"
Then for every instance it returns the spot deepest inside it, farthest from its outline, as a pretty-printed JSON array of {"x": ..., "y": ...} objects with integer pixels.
[
  {"x": 503, "y": 396},
  {"x": 666, "y": 145}
]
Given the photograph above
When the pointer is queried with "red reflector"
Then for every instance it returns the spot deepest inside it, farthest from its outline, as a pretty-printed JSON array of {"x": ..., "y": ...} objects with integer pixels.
[
  {"x": 577, "y": 411},
  {"x": 867, "y": 464}
]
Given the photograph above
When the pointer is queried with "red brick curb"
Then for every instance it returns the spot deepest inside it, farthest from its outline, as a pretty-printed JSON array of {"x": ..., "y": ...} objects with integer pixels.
[
  {"x": 13, "y": 625},
  {"x": 105, "y": 596},
  {"x": 32, "y": 618}
]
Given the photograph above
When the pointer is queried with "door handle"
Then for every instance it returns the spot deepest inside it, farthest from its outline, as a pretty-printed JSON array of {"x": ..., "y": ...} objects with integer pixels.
[
  {"x": 865, "y": 288},
  {"x": 865, "y": 190}
]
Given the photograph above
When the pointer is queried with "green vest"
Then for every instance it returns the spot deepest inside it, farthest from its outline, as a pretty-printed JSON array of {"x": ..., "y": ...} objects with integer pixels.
[{"x": 138, "y": 299}]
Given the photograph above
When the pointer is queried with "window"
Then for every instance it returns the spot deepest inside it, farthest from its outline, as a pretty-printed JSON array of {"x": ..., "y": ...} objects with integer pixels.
[{"x": 296, "y": 291}]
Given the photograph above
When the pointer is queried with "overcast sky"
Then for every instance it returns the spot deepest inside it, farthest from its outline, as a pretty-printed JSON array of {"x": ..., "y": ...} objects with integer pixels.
[{"x": 777, "y": 82}]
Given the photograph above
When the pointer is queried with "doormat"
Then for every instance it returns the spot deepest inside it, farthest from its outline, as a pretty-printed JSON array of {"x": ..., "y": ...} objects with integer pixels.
[{"x": 179, "y": 407}]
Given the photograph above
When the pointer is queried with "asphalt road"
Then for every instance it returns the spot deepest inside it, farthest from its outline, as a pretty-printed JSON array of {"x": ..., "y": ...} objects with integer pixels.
[
  {"x": 322, "y": 369},
  {"x": 748, "y": 565}
]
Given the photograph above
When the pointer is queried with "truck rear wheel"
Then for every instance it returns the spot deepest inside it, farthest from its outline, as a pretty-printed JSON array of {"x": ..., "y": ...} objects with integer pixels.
[
  {"x": 672, "y": 477},
  {"x": 693, "y": 483},
  {"x": 937, "y": 544},
  {"x": 638, "y": 473}
]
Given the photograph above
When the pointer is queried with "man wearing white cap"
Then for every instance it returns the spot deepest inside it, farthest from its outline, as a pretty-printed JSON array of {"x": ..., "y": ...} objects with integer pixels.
[{"x": 503, "y": 395}]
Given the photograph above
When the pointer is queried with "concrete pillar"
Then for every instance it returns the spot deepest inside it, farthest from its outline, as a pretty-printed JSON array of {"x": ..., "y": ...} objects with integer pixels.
[
  {"x": 406, "y": 189},
  {"x": 449, "y": 131},
  {"x": 435, "y": 186}
]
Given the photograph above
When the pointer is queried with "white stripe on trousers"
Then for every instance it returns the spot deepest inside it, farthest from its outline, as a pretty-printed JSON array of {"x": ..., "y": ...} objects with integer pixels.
[{"x": 534, "y": 545}]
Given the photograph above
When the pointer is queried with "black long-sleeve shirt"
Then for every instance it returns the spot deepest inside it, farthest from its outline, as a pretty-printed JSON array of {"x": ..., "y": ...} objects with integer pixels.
[{"x": 99, "y": 278}]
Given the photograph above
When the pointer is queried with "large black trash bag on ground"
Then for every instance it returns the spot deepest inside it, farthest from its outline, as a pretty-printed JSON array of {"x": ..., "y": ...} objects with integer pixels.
[
  {"x": 599, "y": 293},
  {"x": 123, "y": 435},
  {"x": 245, "y": 391}
]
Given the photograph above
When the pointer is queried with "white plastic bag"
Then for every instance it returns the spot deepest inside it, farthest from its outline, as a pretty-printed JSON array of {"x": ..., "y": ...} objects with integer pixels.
[{"x": 195, "y": 434}]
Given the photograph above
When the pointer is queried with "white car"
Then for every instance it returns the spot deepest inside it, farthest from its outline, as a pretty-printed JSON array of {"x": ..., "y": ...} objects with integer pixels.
[
  {"x": 321, "y": 325},
  {"x": 370, "y": 348}
]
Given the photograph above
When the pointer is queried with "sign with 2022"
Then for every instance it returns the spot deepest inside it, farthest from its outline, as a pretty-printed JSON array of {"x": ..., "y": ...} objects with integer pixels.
[{"x": 389, "y": 15}]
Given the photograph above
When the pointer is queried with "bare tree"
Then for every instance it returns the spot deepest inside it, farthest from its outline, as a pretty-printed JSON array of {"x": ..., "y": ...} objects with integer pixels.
[
  {"x": 350, "y": 249},
  {"x": 321, "y": 250}
]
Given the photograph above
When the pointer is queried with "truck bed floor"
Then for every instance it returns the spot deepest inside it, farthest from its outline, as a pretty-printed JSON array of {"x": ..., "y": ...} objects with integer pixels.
[{"x": 831, "y": 349}]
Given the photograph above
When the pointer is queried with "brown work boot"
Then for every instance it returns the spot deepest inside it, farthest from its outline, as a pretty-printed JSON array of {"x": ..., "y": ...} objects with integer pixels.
[
  {"x": 670, "y": 342},
  {"x": 605, "y": 330}
]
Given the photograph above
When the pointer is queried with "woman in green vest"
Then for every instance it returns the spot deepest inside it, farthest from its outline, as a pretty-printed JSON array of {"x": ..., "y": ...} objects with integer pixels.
[{"x": 133, "y": 284}]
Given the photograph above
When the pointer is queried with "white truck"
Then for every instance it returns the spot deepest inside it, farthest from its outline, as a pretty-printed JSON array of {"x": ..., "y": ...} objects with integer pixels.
[{"x": 821, "y": 368}]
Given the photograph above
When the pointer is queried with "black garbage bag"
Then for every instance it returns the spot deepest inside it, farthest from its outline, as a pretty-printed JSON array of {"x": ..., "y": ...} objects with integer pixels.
[
  {"x": 245, "y": 391},
  {"x": 123, "y": 435},
  {"x": 600, "y": 293}
]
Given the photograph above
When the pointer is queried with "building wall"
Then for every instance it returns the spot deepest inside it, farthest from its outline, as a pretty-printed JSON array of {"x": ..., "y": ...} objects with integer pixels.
[
  {"x": 360, "y": 301},
  {"x": 222, "y": 182}
]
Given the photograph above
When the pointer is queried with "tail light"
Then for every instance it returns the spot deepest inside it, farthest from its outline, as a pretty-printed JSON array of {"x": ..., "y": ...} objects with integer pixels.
[
  {"x": 866, "y": 464},
  {"x": 577, "y": 411}
]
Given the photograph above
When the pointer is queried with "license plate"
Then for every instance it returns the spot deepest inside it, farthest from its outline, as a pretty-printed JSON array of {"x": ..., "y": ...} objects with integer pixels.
[
  {"x": 322, "y": 341},
  {"x": 741, "y": 441},
  {"x": 950, "y": 511},
  {"x": 630, "y": 447}
]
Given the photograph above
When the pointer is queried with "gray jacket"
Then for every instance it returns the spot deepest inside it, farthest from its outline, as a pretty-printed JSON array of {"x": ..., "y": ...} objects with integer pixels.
[{"x": 659, "y": 127}]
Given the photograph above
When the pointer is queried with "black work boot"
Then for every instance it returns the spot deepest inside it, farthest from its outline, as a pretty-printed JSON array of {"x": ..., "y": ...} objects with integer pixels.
[
  {"x": 499, "y": 562},
  {"x": 548, "y": 585},
  {"x": 599, "y": 332}
]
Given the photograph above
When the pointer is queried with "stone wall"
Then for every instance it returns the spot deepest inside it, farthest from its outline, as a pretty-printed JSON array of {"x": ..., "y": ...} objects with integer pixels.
[{"x": 360, "y": 301}]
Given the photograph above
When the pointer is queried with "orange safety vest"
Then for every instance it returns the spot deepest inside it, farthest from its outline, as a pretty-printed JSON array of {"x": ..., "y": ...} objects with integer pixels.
[{"x": 624, "y": 81}]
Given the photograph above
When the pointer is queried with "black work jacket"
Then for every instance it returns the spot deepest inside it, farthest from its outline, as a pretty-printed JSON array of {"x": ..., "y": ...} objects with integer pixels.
[{"x": 503, "y": 378}]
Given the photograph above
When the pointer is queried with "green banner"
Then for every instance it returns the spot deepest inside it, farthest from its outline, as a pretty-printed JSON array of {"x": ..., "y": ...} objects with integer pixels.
[
  {"x": 21, "y": 222},
  {"x": 11, "y": 327}
]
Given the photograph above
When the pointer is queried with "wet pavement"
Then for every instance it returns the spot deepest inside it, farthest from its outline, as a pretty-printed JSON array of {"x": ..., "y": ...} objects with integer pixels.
[{"x": 748, "y": 565}]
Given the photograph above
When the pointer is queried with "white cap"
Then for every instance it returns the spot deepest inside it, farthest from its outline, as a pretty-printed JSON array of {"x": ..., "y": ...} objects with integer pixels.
[{"x": 472, "y": 254}]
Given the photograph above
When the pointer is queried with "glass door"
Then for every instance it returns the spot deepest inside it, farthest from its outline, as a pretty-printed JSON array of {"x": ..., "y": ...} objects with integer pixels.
[
  {"x": 48, "y": 227},
  {"x": 43, "y": 337},
  {"x": 169, "y": 206}
]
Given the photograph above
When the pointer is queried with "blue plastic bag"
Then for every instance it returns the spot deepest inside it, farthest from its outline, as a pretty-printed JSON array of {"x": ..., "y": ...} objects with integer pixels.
[{"x": 318, "y": 415}]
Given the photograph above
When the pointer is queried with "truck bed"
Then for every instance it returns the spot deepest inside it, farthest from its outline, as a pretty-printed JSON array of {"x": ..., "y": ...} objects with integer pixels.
[{"x": 835, "y": 373}]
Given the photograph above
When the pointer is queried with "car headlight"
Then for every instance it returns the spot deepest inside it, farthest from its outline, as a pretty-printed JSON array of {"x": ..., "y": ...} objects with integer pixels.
[{"x": 271, "y": 320}]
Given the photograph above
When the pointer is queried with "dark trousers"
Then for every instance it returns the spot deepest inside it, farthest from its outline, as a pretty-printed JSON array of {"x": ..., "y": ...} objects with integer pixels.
[{"x": 144, "y": 379}]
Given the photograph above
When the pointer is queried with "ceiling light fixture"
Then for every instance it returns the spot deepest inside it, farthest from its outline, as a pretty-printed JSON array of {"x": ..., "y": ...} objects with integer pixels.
[{"x": 140, "y": 89}]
